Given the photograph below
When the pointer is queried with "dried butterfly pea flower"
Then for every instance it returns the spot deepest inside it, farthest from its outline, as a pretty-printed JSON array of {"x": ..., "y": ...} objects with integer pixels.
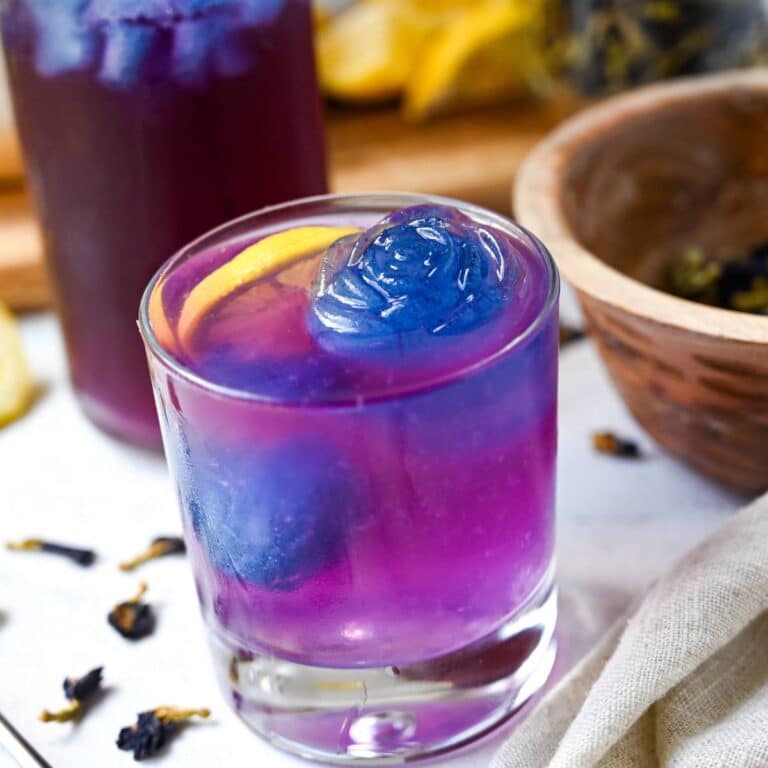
[
  {"x": 133, "y": 619},
  {"x": 160, "y": 547},
  {"x": 738, "y": 282},
  {"x": 84, "y": 557},
  {"x": 81, "y": 688},
  {"x": 754, "y": 300},
  {"x": 615, "y": 44},
  {"x": 77, "y": 690},
  {"x": 569, "y": 334},
  {"x": 696, "y": 277},
  {"x": 613, "y": 445},
  {"x": 153, "y": 729}
]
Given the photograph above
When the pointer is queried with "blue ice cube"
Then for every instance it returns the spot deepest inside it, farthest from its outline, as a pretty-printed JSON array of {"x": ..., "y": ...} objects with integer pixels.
[
  {"x": 276, "y": 517},
  {"x": 113, "y": 11},
  {"x": 125, "y": 50},
  {"x": 205, "y": 33},
  {"x": 159, "y": 11},
  {"x": 170, "y": 11},
  {"x": 261, "y": 11},
  {"x": 191, "y": 49},
  {"x": 423, "y": 272},
  {"x": 63, "y": 44}
]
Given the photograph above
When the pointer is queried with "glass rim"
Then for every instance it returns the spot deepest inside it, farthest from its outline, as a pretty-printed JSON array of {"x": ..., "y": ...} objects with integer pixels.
[{"x": 360, "y": 200}]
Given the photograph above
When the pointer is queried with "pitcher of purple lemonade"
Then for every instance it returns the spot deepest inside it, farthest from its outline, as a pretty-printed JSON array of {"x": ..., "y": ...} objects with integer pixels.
[
  {"x": 358, "y": 403},
  {"x": 145, "y": 123}
]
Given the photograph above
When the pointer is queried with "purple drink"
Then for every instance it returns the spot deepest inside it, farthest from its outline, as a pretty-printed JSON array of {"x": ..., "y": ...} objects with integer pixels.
[
  {"x": 144, "y": 124},
  {"x": 360, "y": 415}
]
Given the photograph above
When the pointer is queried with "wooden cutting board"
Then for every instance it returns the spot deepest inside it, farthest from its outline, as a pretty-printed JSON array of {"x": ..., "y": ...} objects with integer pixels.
[{"x": 473, "y": 157}]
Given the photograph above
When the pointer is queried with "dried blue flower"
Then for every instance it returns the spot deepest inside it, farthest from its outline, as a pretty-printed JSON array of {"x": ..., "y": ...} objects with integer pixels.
[
  {"x": 82, "y": 688},
  {"x": 77, "y": 690},
  {"x": 153, "y": 729},
  {"x": 160, "y": 547},
  {"x": 84, "y": 557},
  {"x": 570, "y": 334},
  {"x": 733, "y": 281},
  {"x": 613, "y": 445},
  {"x": 133, "y": 619}
]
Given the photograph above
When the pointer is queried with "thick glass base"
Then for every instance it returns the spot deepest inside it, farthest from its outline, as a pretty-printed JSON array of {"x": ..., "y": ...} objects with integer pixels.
[{"x": 391, "y": 715}]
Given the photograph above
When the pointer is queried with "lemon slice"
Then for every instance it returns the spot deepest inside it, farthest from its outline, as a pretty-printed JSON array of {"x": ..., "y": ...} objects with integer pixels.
[
  {"x": 479, "y": 58},
  {"x": 366, "y": 53},
  {"x": 263, "y": 258},
  {"x": 16, "y": 386},
  {"x": 159, "y": 320}
]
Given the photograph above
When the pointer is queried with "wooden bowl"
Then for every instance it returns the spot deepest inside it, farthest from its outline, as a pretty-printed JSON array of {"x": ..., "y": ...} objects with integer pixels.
[{"x": 616, "y": 193}]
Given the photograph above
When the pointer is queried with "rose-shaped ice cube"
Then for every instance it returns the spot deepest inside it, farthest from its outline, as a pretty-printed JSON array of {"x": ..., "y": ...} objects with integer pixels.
[{"x": 422, "y": 272}]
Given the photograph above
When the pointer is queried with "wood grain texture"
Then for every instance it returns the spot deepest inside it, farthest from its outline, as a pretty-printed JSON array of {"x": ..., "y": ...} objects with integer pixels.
[
  {"x": 23, "y": 280},
  {"x": 614, "y": 194},
  {"x": 473, "y": 157}
]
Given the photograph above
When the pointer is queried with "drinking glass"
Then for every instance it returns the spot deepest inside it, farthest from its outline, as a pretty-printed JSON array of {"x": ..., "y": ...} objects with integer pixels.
[{"x": 373, "y": 550}]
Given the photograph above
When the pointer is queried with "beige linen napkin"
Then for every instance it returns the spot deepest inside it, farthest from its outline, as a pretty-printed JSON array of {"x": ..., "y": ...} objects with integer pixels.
[{"x": 681, "y": 683}]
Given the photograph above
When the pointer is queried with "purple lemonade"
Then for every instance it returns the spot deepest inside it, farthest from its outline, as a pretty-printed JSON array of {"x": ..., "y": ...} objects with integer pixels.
[
  {"x": 358, "y": 401},
  {"x": 144, "y": 124}
]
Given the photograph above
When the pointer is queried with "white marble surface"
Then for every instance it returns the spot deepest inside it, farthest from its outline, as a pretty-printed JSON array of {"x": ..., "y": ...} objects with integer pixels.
[{"x": 620, "y": 525}]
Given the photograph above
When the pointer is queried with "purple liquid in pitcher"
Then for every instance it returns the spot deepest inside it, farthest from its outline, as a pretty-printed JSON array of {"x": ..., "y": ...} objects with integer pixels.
[
  {"x": 144, "y": 124},
  {"x": 367, "y": 489}
]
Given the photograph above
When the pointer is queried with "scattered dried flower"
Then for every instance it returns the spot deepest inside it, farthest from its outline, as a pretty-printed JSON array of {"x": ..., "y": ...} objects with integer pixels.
[
  {"x": 153, "y": 729},
  {"x": 84, "y": 557},
  {"x": 133, "y": 619},
  {"x": 160, "y": 547},
  {"x": 613, "y": 445},
  {"x": 730, "y": 281},
  {"x": 569, "y": 334},
  {"x": 77, "y": 690}
]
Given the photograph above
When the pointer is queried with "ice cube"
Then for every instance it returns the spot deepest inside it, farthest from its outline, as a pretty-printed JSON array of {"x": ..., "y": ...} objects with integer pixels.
[
  {"x": 232, "y": 57},
  {"x": 125, "y": 50},
  {"x": 63, "y": 44},
  {"x": 274, "y": 518},
  {"x": 422, "y": 272},
  {"x": 191, "y": 50},
  {"x": 261, "y": 11},
  {"x": 114, "y": 11},
  {"x": 170, "y": 11},
  {"x": 206, "y": 33}
]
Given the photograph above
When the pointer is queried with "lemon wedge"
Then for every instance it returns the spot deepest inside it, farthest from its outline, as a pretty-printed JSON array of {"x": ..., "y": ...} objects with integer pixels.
[
  {"x": 479, "y": 58},
  {"x": 16, "y": 385},
  {"x": 158, "y": 319},
  {"x": 263, "y": 258},
  {"x": 366, "y": 53}
]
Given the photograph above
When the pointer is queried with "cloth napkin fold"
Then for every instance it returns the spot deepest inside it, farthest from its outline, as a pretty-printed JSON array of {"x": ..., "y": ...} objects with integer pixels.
[{"x": 680, "y": 683}]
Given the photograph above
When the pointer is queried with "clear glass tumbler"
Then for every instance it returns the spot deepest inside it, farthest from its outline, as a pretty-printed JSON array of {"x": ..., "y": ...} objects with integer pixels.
[
  {"x": 371, "y": 530},
  {"x": 144, "y": 125}
]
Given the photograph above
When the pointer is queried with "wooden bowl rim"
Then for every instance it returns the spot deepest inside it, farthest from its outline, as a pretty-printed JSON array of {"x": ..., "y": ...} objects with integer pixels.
[{"x": 538, "y": 206}]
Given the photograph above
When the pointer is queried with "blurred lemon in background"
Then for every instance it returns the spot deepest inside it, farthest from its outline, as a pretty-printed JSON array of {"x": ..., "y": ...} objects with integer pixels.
[
  {"x": 366, "y": 52},
  {"x": 480, "y": 59},
  {"x": 16, "y": 386},
  {"x": 438, "y": 55}
]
